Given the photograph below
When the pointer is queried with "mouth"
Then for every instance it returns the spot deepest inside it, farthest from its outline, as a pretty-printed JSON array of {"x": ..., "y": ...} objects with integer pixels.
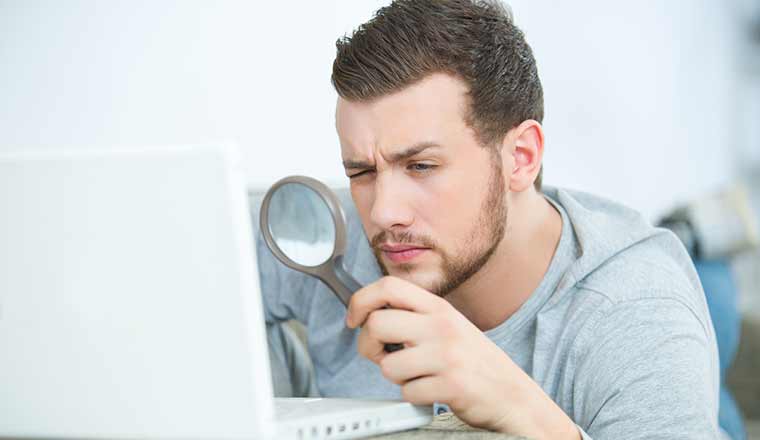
[{"x": 402, "y": 253}]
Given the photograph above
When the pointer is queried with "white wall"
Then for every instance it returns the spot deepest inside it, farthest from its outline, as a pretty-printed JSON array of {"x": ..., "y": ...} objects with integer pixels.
[{"x": 640, "y": 97}]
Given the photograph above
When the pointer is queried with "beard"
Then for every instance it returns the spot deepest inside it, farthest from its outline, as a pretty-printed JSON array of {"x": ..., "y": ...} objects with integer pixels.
[{"x": 480, "y": 244}]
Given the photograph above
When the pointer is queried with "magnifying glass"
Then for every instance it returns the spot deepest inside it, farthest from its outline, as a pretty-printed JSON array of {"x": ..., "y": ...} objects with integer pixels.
[{"x": 305, "y": 228}]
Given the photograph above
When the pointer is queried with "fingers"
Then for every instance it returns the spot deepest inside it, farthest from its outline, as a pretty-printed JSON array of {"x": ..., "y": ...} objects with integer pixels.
[
  {"x": 425, "y": 391},
  {"x": 393, "y": 292},
  {"x": 411, "y": 363},
  {"x": 392, "y": 326}
]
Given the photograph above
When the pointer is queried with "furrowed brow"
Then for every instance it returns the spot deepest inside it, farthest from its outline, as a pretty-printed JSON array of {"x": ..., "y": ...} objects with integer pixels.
[
  {"x": 411, "y": 151},
  {"x": 394, "y": 157},
  {"x": 357, "y": 165}
]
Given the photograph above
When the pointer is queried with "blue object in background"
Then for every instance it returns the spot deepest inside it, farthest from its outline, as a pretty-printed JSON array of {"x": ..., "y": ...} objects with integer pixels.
[{"x": 722, "y": 296}]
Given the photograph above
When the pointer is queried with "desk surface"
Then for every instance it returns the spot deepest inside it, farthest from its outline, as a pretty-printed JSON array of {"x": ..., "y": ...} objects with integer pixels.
[{"x": 449, "y": 427}]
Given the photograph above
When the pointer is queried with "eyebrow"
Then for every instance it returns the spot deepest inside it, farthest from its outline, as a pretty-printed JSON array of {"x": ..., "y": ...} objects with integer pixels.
[{"x": 394, "y": 157}]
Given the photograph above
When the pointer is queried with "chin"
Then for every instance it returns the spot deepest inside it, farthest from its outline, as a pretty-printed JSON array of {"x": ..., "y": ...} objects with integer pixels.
[{"x": 424, "y": 278}]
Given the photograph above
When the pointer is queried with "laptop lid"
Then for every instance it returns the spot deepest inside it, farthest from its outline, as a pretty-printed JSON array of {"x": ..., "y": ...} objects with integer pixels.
[{"x": 129, "y": 297}]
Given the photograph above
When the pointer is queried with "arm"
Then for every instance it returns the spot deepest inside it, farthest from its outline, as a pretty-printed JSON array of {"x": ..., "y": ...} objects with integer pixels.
[
  {"x": 648, "y": 369},
  {"x": 447, "y": 359}
]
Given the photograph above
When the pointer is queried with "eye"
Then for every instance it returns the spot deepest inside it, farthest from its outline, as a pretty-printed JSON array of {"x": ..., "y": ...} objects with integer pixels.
[
  {"x": 420, "y": 167},
  {"x": 361, "y": 173}
]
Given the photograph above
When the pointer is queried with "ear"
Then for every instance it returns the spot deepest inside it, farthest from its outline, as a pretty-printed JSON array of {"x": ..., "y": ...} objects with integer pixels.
[{"x": 526, "y": 144}]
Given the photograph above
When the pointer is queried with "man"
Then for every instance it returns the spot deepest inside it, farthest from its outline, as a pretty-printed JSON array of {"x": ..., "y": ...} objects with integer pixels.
[{"x": 528, "y": 310}]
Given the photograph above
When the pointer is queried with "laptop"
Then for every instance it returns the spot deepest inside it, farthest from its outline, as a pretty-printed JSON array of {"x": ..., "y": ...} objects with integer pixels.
[{"x": 130, "y": 305}]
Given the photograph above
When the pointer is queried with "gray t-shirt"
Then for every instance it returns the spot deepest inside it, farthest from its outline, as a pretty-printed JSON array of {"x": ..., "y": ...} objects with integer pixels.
[{"x": 617, "y": 333}]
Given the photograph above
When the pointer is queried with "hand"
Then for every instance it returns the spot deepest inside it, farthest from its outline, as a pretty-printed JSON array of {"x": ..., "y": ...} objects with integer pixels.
[{"x": 448, "y": 359}]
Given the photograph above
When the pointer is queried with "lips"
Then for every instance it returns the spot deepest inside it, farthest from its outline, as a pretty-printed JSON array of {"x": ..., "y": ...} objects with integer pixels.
[
  {"x": 402, "y": 253},
  {"x": 398, "y": 247}
]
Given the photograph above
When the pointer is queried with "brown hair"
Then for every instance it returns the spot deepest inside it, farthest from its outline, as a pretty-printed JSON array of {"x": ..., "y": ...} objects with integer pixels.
[{"x": 474, "y": 40}]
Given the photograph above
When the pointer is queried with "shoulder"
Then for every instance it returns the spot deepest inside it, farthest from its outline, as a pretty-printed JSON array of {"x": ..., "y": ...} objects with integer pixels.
[
  {"x": 623, "y": 259},
  {"x": 650, "y": 283},
  {"x": 653, "y": 268}
]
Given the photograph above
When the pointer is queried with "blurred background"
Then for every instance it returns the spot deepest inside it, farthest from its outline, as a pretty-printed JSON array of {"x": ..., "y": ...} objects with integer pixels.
[{"x": 655, "y": 104}]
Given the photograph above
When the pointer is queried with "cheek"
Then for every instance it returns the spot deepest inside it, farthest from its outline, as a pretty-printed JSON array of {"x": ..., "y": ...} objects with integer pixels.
[
  {"x": 362, "y": 197},
  {"x": 453, "y": 203},
  {"x": 444, "y": 206},
  {"x": 439, "y": 210}
]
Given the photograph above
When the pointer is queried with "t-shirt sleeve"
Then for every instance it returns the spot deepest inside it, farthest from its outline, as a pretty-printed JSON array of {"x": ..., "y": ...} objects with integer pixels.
[{"x": 648, "y": 370}]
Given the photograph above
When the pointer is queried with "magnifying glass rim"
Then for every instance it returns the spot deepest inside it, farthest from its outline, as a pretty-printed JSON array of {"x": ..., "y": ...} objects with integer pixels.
[{"x": 333, "y": 205}]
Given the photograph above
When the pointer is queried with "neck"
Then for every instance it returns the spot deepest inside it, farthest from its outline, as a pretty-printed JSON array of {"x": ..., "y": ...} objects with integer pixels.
[{"x": 516, "y": 267}]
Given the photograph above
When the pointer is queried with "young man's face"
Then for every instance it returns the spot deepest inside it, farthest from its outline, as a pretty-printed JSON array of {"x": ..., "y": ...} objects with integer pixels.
[{"x": 431, "y": 198}]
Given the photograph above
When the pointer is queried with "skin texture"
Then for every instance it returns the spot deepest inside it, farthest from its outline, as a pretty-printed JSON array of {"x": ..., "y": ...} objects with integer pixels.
[{"x": 464, "y": 239}]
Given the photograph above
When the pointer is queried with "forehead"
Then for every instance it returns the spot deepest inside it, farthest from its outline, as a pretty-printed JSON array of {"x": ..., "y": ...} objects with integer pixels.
[{"x": 430, "y": 110}]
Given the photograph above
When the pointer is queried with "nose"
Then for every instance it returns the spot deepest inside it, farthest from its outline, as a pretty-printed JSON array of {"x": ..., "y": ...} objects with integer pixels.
[{"x": 391, "y": 209}]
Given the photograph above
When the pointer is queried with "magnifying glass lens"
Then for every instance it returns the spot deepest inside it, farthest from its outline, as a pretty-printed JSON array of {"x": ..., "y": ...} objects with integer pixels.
[{"x": 304, "y": 229}]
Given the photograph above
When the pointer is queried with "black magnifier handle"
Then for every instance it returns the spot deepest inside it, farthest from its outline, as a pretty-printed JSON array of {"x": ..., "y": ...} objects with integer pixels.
[{"x": 352, "y": 286}]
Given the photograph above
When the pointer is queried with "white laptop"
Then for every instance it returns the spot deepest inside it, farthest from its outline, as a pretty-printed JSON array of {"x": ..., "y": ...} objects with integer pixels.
[{"x": 130, "y": 305}]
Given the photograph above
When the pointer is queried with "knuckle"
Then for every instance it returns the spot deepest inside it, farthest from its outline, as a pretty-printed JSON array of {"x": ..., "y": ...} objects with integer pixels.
[
  {"x": 352, "y": 302},
  {"x": 393, "y": 283},
  {"x": 371, "y": 325},
  {"x": 359, "y": 298},
  {"x": 385, "y": 282},
  {"x": 387, "y": 369}
]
